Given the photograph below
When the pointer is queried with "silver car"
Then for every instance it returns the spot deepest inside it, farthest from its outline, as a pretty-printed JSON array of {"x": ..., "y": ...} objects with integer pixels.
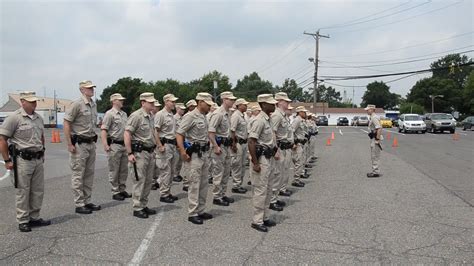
[
  {"x": 440, "y": 122},
  {"x": 412, "y": 123}
]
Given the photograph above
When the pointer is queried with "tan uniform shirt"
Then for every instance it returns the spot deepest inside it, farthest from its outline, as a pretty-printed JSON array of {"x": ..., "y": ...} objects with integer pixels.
[
  {"x": 299, "y": 128},
  {"x": 239, "y": 125},
  {"x": 140, "y": 124},
  {"x": 114, "y": 122},
  {"x": 166, "y": 123},
  {"x": 280, "y": 124},
  {"x": 82, "y": 114},
  {"x": 194, "y": 127},
  {"x": 262, "y": 131},
  {"x": 23, "y": 130},
  {"x": 374, "y": 122},
  {"x": 178, "y": 119},
  {"x": 219, "y": 122}
]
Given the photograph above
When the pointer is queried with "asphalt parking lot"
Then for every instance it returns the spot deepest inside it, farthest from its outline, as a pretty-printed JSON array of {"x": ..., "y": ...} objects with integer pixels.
[{"x": 419, "y": 211}]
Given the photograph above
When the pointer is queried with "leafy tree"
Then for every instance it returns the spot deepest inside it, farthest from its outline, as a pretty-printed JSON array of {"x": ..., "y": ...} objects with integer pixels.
[
  {"x": 421, "y": 91},
  {"x": 411, "y": 108},
  {"x": 468, "y": 94},
  {"x": 378, "y": 93},
  {"x": 454, "y": 71},
  {"x": 129, "y": 88},
  {"x": 291, "y": 88},
  {"x": 206, "y": 83},
  {"x": 252, "y": 85}
]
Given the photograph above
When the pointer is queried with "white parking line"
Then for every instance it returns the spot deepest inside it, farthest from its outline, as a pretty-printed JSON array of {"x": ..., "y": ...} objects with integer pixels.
[
  {"x": 395, "y": 132},
  {"x": 140, "y": 253},
  {"x": 340, "y": 132},
  {"x": 364, "y": 130}
]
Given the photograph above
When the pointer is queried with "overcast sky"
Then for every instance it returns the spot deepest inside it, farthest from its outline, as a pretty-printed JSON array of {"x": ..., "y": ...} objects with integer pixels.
[{"x": 48, "y": 45}]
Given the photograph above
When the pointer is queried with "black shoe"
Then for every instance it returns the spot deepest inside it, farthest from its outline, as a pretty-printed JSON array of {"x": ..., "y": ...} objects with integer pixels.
[
  {"x": 39, "y": 222},
  {"x": 284, "y": 193},
  {"x": 93, "y": 207},
  {"x": 249, "y": 183},
  {"x": 178, "y": 178},
  {"x": 308, "y": 166},
  {"x": 195, "y": 220},
  {"x": 304, "y": 176},
  {"x": 314, "y": 158},
  {"x": 210, "y": 180},
  {"x": 155, "y": 186},
  {"x": 167, "y": 199},
  {"x": 220, "y": 202},
  {"x": 149, "y": 211},
  {"x": 174, "y": 197},
  {"x": 372, "y": 175},
  {"x": 125, "y": 194},
  {"x": 83, "y": 210},
  {"x": 205, "y": 216},
  {"x": 229, "y": 200},
  {"x": 260, "y": 227},
  {"x": 24, "y": 227},
  {"x": 281, "y": 203},
  {"x": 297, "y": 184},
  {"x": 185, "y": 188},
  {"x": 140, "y": 214},
  {"x": 276, "y": 207},
  {"x": 118, "y": 197},
  {"x": 312, "y": 161},
  {"x": 269, "y": 223},
  {"x": 239, "y": 190}
]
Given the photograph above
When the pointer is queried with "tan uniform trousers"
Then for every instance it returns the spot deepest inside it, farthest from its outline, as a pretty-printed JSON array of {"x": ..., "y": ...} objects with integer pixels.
[
  {"x": 299, "y": 161},
  {"x": 165, "y": 161},
  {"x": 82, "y": 164},
  {"x": 178, "y": 164},
  {"x": 375, "y": 156},
  {"x": 141, "y": 188},
  {"x": 238, "y": 164},
  {"x": 221, "y": 171},
  {"x": 281, "y": 173},
  {"x": 118, "y": 171},
  {"x": 262, "y": 189},
  {"x": 30, "y": 191},
  {"x": 198, "y": 185},
  {"x": 184, "y": 173}
]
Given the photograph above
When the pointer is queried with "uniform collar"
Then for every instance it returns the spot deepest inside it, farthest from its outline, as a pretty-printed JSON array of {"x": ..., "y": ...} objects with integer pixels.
[
  {"x": 145, "y": 114},
  {"x": 239, "y": 112},
  {"x": 115, "y": 111},
  {"x": 84, "y": 98},
  {"x": 222, "y": 110},
  {"x": 24, "y": 113},
  {"x": 264, "y": 115},
  {"x": 280, "y": 111}
]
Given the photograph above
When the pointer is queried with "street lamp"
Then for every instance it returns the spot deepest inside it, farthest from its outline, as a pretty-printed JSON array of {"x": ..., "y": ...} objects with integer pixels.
[
  {"x": 432, "y": 100},
  {"x": 215, "y": 90}
]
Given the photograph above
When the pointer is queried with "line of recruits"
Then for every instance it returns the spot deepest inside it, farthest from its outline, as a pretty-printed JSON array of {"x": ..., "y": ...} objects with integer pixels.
[{"x": 153, "y": 147}]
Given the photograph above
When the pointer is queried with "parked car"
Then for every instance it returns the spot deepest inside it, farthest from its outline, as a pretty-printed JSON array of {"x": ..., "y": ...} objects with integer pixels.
[
  {"x": 386, "y": 122},
  {"x": 322, "y": 120},
  {"x": 440, "y": 122},
  {"x": 354, "y": 120},
  {"x": 362, "y": 121},
  {"x": 395, "y": 122},
  {"x": 342, "y": 121},
  {"x": 468, "y": 123},
  {"x": 411, "y": 122}
]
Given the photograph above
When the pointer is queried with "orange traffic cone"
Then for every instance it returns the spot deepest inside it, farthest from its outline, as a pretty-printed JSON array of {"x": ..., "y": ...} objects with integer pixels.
[
  {"x": 455, "y": 136},
  {"x": 332, "y": 135},
  {"x": 328, "y": 142},
  {"x": 53, "y": 136},
  {"x": 58, "y": 137},
  {"x": 389, "y": 136},
  {"x": 395, "y": 142}
]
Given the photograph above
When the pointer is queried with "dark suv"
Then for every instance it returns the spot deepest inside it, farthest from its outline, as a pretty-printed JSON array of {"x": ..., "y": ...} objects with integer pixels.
[
  {"x": 342, "y": 121},
  {"x": 322, "y": 120}
]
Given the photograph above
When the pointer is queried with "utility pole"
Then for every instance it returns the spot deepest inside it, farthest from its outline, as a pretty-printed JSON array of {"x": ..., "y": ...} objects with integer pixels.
[{"x": 316, "y": 37}]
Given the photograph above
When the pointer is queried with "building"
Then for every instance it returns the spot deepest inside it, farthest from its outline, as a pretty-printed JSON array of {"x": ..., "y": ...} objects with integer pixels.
[{"x": 45, "y": 107}]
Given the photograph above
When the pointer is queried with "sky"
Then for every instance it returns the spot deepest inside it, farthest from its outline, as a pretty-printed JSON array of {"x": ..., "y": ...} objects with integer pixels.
[{"x": 53, "y": 45}]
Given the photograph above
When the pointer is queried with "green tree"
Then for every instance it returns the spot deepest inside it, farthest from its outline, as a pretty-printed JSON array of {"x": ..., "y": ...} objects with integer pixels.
[
  {"x": 454, "y": 71},
  {"x": 378, "y": 93},
  {"x": 411, "y": 108},
  {"x": 331, "y": 96},
  {"x": 206, "y": 83},
  {"x": 291, "y": 88},
  {"x": 468, "y": 94},
  {"x": 129, "y": 88},
  {"x": 252, "y": 85},
  {"x": 421, "y": 91}
]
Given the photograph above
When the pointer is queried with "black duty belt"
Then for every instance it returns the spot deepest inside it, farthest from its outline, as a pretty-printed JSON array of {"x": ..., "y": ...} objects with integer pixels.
[
  {"x": 284, "y": 145},
  {"x": 111, "y": 141},
  {"x": 198, "y": 148},
  {"x": 266, "y": 151},
  {"x": 168, "y": 141},
  {"x": 30, "y": 155},
  {"x": 82, "y": 139},
  {"x": 302, "y": 141},
  {"x": 139, "y": 147},
  {"x": 224, "y": 141}
]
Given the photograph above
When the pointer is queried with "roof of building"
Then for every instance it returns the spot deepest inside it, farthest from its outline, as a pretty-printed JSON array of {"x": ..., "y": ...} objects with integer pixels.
[{"x": 45, "y": 103}]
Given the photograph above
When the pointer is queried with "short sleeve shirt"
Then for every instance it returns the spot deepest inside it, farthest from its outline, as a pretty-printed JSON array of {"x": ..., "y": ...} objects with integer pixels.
[
  {"x": 238, "y": 124},
  {"x": 24, "y": 131},
  {"x": 219, "y": 122},
  {"x": 194, "y": 127},
  {"x": 82, "y": 114},
  {"x": 298, "y": 128},
  {"x": 140, "y": 125},
  {"x": 262, "y": 131},
  {"x": 166, "y": 123},
  {"x": 374, "y": 122},
  {"x": 280, "y": 124},
  {"x": 114, "y": 122}
]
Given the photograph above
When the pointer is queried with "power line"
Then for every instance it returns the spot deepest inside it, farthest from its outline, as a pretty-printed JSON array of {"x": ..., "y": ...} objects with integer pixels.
[
  {"x": 381, "y": 17},
  {"x": 406, "y": 47},
  {"x": 368, "y": 16},
  {"x": 390, "y": 74},
  {"x": 401, "y": 20},
  {"x": 364, "y": 86}
]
